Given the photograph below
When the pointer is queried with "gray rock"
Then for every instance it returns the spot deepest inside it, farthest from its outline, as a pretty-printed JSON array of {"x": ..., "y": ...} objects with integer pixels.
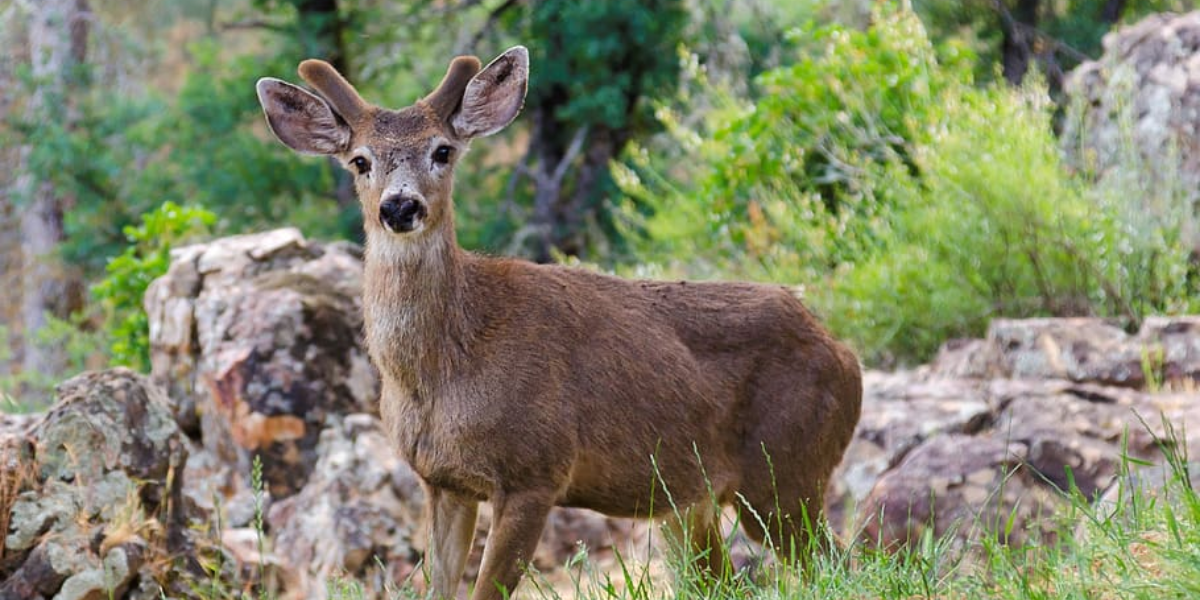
[
  {"x": 1079, "y": 349},
  {"x": 964, "y": 486},
  {"x": 110, "y": 579},
  {"x": 929, "y": 446},
  {"x": 358, "y": 513},
  {"x": 258, "y": 339},
  {"x": 900, "y": 411},
  {"x": 1134, "y": 115},
  {"x": 101, "y": 479}
]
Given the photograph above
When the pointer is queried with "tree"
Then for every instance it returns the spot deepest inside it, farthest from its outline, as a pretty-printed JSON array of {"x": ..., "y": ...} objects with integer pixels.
[
  {"x": 596, "y": 64},
  {"x": 58, "y": 35}
]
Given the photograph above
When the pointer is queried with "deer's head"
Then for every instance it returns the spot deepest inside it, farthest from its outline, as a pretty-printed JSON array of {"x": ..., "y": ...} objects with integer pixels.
[{"x": 402, "y": 160}]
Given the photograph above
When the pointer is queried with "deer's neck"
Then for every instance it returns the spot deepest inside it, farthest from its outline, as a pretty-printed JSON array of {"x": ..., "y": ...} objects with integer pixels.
[{"x": 413, "y": 298}]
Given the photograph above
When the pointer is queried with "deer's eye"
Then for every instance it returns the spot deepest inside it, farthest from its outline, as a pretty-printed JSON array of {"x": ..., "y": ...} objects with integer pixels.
[
  {"x": 361, "y": 165},
  {"x": 442, "y": 154}
]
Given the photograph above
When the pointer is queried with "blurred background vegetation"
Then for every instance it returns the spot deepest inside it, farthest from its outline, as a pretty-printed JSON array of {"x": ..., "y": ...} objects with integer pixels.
[{"x": 899, "y": 162}]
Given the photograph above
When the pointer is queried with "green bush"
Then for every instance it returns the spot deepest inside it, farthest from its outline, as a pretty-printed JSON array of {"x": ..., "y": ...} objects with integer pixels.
[
  {"x": 128, "y": 275},
  {"x": 912, "y": 205}
]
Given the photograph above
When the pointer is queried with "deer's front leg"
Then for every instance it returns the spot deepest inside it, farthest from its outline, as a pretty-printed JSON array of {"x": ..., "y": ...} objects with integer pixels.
[
  {"x": 451, "y": 528},
  {"x": 517, "y": 522}
]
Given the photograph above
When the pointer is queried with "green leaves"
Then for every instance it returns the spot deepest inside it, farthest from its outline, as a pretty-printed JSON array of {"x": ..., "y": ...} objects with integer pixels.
[
  {"x": 913, "y": 205},
  {"x": 147, "y": 257}
]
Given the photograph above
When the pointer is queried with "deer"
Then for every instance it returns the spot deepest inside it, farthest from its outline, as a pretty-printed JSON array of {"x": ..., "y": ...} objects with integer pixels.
[{"x": 531, "y": 386}]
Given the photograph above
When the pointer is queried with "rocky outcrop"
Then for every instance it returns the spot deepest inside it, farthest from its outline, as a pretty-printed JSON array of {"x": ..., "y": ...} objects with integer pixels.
[
  {"x": 1000, "y": 428},
  {"x": 1134, "y": 116},
  {"x": 359, "y": 513},
  {"x": 1164, "y": 352},
  {"x": 258, "y": 340},
  {"x": 91, "y": 493}
]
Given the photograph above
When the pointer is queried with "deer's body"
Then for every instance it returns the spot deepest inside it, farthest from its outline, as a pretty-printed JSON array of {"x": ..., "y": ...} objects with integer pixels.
[{"x": 533, "y": 386}]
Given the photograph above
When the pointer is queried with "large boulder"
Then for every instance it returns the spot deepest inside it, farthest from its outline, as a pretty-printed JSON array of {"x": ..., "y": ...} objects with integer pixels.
[
  {"x": 900, "y": 412},
  {"x": 91, "y": 493},
  {"x": 1134, "y": 115},
  {"x": 966, "y": 487},
  {"x": 359, "y": 515},
  {"x": 258, "y": 340}
]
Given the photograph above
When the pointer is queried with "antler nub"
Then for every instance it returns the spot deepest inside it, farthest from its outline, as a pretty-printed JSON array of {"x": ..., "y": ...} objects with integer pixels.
[
  {"x": 446, "y": 98},
  {"x": 330, "y": 84}
]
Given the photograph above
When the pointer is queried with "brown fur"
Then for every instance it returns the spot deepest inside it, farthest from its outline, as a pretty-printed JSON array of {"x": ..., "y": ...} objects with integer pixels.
[{"x": 533, "y": 385}]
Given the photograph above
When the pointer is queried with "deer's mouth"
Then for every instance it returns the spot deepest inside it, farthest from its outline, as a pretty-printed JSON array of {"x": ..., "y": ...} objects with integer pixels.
[{"x": 402, "y": 215}]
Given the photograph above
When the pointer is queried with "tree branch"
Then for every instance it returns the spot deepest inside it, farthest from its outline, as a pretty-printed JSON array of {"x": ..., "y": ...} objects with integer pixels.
[{"x": 254, "y": 24}]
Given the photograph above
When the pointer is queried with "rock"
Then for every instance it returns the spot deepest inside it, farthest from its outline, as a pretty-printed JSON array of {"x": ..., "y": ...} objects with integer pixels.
[
  {"x": 1079, "y": 349},
  {"x": 925, "y": 440},
  {"x": 1139, "y": 484},
  {"x": 959, "y": 485},
  {"x": 258, "y": 339},
  {"x": 100, "y": 488},
  {"x": 900, "y": 411},
  {"x": 1164, "y": 352},
  {"x": 1075, "y": 431},
  {"x": 965, "y": 358},
  {"x": 110, "y": 579},
  {"x": 358, "y": 514},
  {"x": 1172, "y": 354},
  {"x": 1139, "y": 104}
]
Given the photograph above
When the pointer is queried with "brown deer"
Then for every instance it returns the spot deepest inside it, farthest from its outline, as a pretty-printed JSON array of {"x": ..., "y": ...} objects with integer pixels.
[{"x": 532, "y": 386}]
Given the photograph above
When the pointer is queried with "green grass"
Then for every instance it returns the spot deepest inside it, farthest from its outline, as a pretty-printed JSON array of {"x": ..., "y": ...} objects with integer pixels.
[{"x": 1145, "y": 546}]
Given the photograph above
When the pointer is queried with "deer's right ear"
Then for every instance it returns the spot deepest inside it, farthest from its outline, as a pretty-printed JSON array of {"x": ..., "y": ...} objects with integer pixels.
[
  {"x": 494, "y": 96},
  {"x": 301, "y": 120}
]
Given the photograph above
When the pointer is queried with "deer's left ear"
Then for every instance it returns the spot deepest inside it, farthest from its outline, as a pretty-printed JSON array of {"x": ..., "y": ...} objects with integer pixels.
[{"x": 494, "y": 96}]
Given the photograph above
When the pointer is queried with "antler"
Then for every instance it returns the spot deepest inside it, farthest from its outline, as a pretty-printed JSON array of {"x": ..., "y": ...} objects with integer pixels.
[
  {"x": 330, "y": 84},
  {"x": 446, "y": 98}
]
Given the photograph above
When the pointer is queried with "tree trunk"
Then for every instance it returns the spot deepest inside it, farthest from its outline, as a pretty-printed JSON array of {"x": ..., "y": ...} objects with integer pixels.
[
  {"x": 1018, "y": 46},
  {"x": 13, "y": 36},
  {"x": 58, "y": 44},
  {"x": 1112, "y": 11},
  {"x": 320, "y": 28},
  {"x": 547, "y": 188},
  {"x": 602, "y": 148}
]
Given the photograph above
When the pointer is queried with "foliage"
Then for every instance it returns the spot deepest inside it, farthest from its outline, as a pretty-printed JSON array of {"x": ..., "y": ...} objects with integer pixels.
[
  {"x": 127, "y": 153},
  {"x": 859, "y": 99},
  {"x": 128, "y": 275},
  {"x": 601, "y": 58},
  {"x": 914, "y": 205},
  {"x": 1066, "y": 32},
  {"x": 82, "y": 348}
]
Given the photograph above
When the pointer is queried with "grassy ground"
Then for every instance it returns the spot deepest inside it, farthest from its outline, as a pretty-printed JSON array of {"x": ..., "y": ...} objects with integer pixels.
[{"x": 1145, "y": 545}]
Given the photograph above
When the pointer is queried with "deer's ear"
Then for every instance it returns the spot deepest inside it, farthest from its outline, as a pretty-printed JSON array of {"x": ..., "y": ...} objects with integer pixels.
[
  {"x": 301, "y": 120},
  {"x": 494, "y": 96}
]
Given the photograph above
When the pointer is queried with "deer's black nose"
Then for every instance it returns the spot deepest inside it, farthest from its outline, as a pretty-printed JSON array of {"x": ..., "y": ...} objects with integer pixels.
[{"x": 400, "y": 214}]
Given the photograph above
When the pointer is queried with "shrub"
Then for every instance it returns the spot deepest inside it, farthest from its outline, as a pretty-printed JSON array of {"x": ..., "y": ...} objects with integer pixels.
[
  {"x": 129, "y": 274},
  {"x": 913, "y": 205}
]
